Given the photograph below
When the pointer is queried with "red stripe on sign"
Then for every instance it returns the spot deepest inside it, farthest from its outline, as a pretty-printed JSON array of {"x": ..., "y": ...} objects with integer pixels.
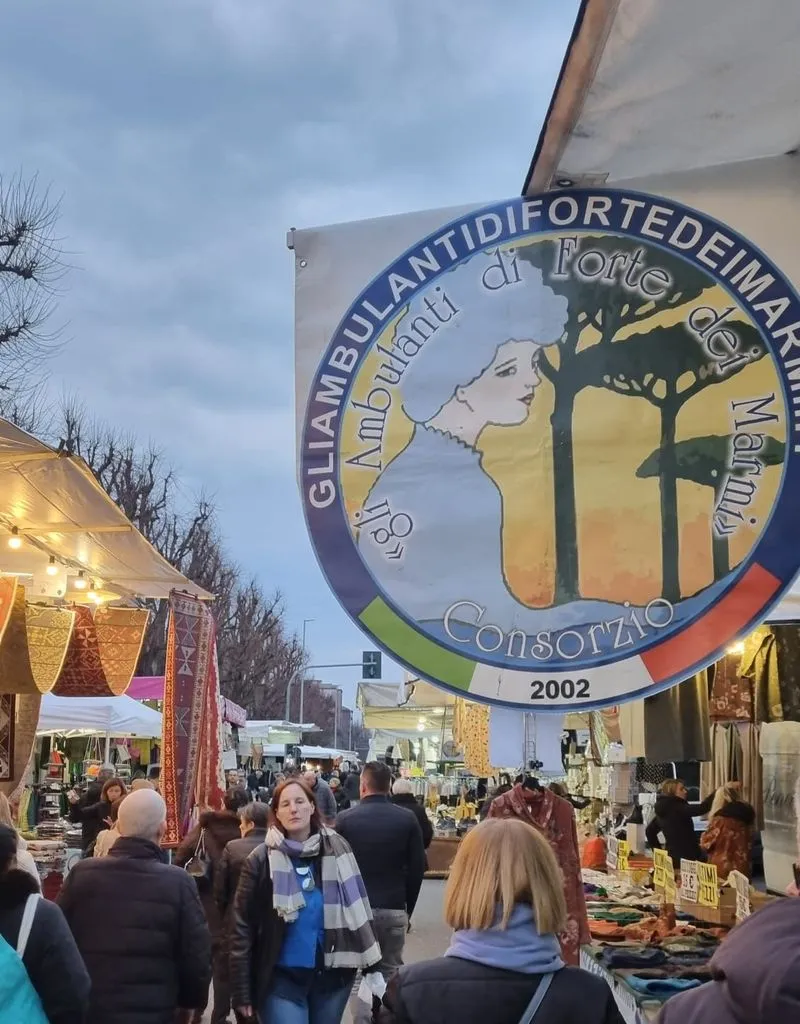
[{"x": 721, "y": 622}]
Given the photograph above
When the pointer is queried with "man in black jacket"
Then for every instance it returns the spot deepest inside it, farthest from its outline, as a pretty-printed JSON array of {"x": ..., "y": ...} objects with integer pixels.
[
  {"x": 139, "y": 924},
  {"x": 388, "y": 847},
  {"x": 403, "y": 796}
]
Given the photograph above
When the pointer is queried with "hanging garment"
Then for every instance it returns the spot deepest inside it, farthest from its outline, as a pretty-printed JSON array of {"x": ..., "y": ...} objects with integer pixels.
[
  {"x": 752, "y": 770},
  {"x": 554, "y": 818},
  {"x": 731, "y": 693},
  {"x": 760, "y": 665},
  {"x": 631, "y": 728},
  {"x": 787, "y": 644},
  {"x": 677, "y": 723}
]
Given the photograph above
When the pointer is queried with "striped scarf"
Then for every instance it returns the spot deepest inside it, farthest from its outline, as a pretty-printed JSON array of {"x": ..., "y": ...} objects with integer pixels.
[{"x": 350, "y": 941}]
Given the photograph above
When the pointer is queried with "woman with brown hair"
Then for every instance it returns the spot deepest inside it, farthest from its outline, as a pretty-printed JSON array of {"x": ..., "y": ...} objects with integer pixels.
[
  {"x": 98, "y": 814},
  {"x": 302, "y": 923},
  {"x": 505, "y": 903},
  {"x": 728, "y": 840}
]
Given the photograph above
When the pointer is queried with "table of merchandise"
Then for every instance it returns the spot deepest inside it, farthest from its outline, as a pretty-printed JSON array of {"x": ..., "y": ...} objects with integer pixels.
[{"x": 645, "y": 951}]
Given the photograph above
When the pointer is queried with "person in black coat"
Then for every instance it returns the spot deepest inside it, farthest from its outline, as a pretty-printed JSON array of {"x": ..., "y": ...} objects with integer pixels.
[
  {"x": 674, "y": 820},
  {"x": 254, "y": 822},
  {"x": 139, "y": 924},
  {"x": 51, "y": 957},
  {"x": 403, "y": 796},
  {"x": 91, "y": 824},
  {"x": 505, "y": 903}
]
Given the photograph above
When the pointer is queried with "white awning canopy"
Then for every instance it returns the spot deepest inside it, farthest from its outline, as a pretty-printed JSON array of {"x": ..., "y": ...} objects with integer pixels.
[
  {"x": 60, "y": 511},
  {"x": 652, "y": 88},
  {"x": 97, "y": 716}
]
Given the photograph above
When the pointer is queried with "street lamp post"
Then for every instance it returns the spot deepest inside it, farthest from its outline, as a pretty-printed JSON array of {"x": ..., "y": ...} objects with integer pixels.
[{"x": 303, "y": 679}]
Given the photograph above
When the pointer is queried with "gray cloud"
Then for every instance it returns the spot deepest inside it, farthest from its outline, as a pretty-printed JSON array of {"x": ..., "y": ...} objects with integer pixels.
[{"x": 187, "y": 137}]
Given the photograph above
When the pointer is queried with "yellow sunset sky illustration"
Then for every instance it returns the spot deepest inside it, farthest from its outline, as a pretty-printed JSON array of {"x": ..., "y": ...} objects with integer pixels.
[{"x": 618, "y": 515}]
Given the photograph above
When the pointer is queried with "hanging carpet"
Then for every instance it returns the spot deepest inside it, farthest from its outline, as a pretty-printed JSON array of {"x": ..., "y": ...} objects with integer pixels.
[
  {"x": 25, "y": 721},
  {"x": 103, "y": 652},
  {"x": 7, "y": 712},
  {"x": 190, "y": 674}
]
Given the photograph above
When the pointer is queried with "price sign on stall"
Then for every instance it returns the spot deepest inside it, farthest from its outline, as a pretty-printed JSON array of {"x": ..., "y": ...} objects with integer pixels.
[
  {"x": 742, "y": 886},
  {"x": 670, "y": 891},
  {"x": 708, "y": 888},
  {"x": 612, "y": 857},
  {"x": 660, "y": 860},
  {"x": 689, "y": 882},
  {"x": 623, "y": 855}
]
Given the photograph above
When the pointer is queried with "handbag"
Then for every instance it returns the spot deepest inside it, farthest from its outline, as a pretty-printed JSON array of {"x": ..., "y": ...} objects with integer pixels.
[
  {"x": 538, "y": 999},
  {"x": 199, "y": 867}
]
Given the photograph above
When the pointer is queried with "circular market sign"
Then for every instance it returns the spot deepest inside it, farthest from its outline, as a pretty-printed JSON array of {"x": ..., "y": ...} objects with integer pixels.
[{"x": 550, "y": 456}]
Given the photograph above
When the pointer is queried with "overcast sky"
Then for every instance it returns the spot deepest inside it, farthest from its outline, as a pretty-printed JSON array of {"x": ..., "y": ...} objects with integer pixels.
[{"x": 186, "y": 137}]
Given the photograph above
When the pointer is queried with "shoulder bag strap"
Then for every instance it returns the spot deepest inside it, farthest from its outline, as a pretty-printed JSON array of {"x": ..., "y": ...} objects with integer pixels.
[
  {"x": 200, "y": 849},
  {"x": 538, "y": 999},
  {"x": 27, "y": 923}
]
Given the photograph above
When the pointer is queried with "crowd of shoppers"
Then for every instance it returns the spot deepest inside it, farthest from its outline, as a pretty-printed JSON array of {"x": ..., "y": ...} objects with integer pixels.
[{"x": 282, "y": 911}]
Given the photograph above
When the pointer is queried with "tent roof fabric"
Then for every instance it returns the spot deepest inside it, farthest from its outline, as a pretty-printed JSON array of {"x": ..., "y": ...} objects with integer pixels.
[
  {"x": 118, "y": 716},
  {"x": 654, "y": 88},
  {"x": 60, "y": 509}
]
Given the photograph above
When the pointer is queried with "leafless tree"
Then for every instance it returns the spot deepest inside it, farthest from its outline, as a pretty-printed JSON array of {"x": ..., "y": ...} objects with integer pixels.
[
  {"x": 31, "y": 265},
  {"x": 256, "y": 654}
]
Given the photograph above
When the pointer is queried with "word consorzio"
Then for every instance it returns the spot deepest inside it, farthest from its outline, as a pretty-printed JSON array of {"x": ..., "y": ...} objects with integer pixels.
[{"x": 746, "y": 272}]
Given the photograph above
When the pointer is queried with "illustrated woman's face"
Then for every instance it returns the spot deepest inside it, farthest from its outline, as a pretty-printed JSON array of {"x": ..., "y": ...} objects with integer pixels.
[
  {"x": 294, "y": 812},
  {"x": 504, "y": 391}
]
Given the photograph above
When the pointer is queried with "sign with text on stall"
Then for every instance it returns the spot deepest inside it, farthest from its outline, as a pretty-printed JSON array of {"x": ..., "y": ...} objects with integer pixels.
[
  {"x": 707, "y": 885},
  {"x": 742, "y": 886},
  {"x": 663, "y": 866},
  {"x": 689, "y": 881},
  {"x": 670, "y": 889},
  {"x": 618, "y": 854},
  {"x": 501, "y": 420}
]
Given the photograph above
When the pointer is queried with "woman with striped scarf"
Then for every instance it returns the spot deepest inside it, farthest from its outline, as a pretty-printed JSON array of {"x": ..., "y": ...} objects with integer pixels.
[{"x": 302, "y": 923}]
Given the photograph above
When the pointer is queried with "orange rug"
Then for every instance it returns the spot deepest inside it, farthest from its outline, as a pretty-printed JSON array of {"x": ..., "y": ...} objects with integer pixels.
[{"x": 120, "y": 637}]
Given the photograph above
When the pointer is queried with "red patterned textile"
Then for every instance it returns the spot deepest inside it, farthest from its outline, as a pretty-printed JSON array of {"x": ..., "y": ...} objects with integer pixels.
[
  {"x": 554, "y": 818},
  {"x": 82, "y": 674},
  {"x": 190, "y": 688},
  {"x": 210, "y": 786}
]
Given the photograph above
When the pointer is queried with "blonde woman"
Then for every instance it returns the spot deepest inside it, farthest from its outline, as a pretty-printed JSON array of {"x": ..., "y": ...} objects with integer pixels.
[
  {"x": 728, "y": 840},
  {"x": 24, "y": 860},
  {"x": 505, "y": 903}
]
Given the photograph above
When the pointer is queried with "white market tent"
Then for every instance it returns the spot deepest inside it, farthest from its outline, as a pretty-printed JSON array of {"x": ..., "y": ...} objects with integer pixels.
[
  {"x": 658, "y": 88},
  {"x": 97, "y": 716},
  {"x": 58, "y": 509},
  {"x": 683, "y": 95},
  {"x": 327, "y": 753}
]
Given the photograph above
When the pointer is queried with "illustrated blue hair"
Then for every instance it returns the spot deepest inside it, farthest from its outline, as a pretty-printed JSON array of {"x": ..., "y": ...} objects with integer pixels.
[{"x": 455, "y": 353}]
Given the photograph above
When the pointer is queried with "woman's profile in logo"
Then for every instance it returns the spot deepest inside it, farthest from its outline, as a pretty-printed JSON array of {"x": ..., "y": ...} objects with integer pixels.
[{"x": 474, "y": 368}]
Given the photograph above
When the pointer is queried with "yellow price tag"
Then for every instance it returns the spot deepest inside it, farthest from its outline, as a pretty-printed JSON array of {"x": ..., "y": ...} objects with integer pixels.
[
  {"x": 670, "y": 890},
  {"x": 742, "y": 887},
  {"x": 708, "y": 886},
  {"x": 623, "y": 855},
  {"x": 663, "y": 864}
]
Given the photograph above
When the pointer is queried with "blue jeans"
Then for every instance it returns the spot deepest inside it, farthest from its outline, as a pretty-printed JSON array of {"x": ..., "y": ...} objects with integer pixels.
[{"x": 314, "y": 1007}]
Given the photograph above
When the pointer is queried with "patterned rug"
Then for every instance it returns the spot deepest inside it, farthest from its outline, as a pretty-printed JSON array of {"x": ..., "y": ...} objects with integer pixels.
[
  {"x": 120, "y": 636},
  {"x": 7, "y": 713},
  {"x": 8, "y": 586},
  {"x": 209, "y": 791},
  {"x": 26, "y": 721},
  {"x": 190, "y": 673},
  {"x": 49, "y": 632},
  {"x": 16, "y": 673}
]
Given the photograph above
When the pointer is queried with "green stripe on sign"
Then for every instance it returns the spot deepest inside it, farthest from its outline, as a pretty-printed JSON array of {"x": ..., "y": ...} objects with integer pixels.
[{"x": 425, "y": 655}]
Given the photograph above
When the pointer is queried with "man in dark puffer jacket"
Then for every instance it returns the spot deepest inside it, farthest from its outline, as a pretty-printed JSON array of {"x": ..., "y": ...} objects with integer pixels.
[{"x": 139, "y": 924}]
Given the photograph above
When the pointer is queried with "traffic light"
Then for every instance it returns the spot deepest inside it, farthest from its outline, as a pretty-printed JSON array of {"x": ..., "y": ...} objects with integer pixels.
[{"x": 370, "y": 664}]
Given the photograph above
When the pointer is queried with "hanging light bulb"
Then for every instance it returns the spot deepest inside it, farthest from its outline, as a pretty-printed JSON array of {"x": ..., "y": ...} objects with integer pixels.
[
  {"x": 15, "y": 541},
  {"x": 80, "y": 581},
  {"x": 52, "y": 568}
]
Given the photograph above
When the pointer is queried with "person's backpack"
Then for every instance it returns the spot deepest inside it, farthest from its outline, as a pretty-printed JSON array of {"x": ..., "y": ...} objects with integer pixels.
[{"x": 19, "y": 1000}]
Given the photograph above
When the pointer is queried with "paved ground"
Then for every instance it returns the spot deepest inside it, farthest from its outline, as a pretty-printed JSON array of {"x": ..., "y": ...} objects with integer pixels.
[{"x": 429, "y": 935}]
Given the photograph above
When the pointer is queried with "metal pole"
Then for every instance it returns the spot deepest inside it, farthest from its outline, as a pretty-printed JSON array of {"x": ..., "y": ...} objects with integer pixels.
[
  {"x": 292, "y": 681},
  {"x": 303, "y": 678},
  {"x": 335, "y": 724}
]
